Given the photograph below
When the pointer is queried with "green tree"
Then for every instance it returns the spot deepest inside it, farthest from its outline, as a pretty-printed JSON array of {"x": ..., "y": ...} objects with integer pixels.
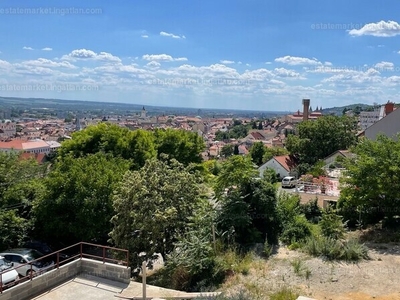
[
  {"x": 257, "y": 152},
  {"x": 157, "y": 202},
  {"x": 13, "y": 229},
  {"x": 235, "y": 171},
  {"x": 254, "y": 125},
  {"x": 274, "y": 151},
  {"x": 77, "y": 205},
  {"x": 182, "y": 145},
  {"x": 260, "y": 125},
  {"x": 318, "y": 139},
  {"x": 227, "y": 150},
  {"x": 370, "y": 188},
  {"x": 251, "y": 211},
  {"x": 236, "y": 149}
]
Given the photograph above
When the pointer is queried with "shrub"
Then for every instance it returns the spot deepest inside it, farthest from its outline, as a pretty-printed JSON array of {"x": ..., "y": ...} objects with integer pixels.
[
  {"x": 332, "y": 249},
  {"x": 312, "y": 211},
  {"x": 296, "y": 230},
  {"x": 285, "y": 293},
  {"x": 332, "y": 225}
]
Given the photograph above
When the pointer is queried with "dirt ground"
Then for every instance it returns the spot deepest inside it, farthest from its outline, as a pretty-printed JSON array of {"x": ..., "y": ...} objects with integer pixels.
[{"x": 377, "y": 278}]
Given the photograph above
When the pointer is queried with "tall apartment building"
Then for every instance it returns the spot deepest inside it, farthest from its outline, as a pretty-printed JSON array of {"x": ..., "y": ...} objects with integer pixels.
[{"x": 7, "y": 129}]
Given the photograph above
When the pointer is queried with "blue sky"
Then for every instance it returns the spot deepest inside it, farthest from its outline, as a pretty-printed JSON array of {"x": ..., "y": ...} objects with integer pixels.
[{"x": 249, "y": 54}]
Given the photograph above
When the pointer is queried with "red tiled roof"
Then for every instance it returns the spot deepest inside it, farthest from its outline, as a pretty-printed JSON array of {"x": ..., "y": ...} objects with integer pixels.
[
  {"x": 286, "y": 161},
  {"x": 257, "y": 135},
  {"x": 39, "y": 157}
]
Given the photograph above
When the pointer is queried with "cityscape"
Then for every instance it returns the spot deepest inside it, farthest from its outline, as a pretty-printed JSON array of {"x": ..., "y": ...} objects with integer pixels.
[{"x": 227, "y": 150}]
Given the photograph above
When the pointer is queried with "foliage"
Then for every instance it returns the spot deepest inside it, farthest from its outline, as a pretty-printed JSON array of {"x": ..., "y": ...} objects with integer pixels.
[
  {"x": 285, "y": 293},
  {"x": 234, "y": 171},
  {"x": 79, "y": 192},
  {"x": 370, "y": 188},
  {"x": 237, "y": 131},
  {"x": 316, "y": 139},
  {"x": 236, "y": 149},
  {"x": 227, "y": 150},
  {"x": 332, "y": 249},
  {"x": 332, "y": 225},
  {"x": 257, "y": 152},
  {"x": 311, "y": 211},
  {"x": 13, "y": 229},
  {"x": 250, "y": 211},
  {"x": 270, "y": 175},
  {"x": 182, "y": 145},
  {"x": 157, "y": 202},
  {"x": 317, "y": 169},
  {"x": 274, "y": 151}
]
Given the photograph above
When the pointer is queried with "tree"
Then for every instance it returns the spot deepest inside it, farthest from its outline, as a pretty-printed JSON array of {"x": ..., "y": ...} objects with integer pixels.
[
  {"x": 182, "y": 145},
  {"x": 260, "y": 125},
  {"x": 254, "y": 125},
  {"x": 235, "y": 171},
  {"x": 77, "y": 204},
  {"x": 227, "y": 150},
  {"x": 273, "y": 151},
  {"x": 320, "y": 138},
  {"x": 370, "y": 188},
  {"x": 236, "y": 149},
  {"x": 257, "y": 152},
  {"x": 157, "y": 202}
]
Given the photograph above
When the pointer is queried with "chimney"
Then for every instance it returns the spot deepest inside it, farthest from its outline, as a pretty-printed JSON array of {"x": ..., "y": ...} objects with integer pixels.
[
  {"x": 389, "y": 107},
  {"x": 306, "y": 107}
]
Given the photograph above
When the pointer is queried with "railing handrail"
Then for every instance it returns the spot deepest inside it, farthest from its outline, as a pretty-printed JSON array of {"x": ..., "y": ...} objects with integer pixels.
[{"x": 80, "y": 254}]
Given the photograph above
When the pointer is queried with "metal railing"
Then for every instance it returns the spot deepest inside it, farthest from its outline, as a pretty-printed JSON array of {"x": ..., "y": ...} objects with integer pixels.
[{"x": 107, "y": 254}]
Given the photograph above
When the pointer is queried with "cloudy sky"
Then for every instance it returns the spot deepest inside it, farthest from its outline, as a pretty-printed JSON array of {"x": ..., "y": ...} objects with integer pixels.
[{"x": 248, "y": 54}]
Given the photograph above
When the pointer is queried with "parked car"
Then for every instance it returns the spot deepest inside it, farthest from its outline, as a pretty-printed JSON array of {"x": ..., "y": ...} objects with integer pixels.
[
  {"x": 289, "y": 182},
  {"x": 28, "y": 262},
  {"x": 44, "y": 248},
  {"x": 8, "y": 273}
]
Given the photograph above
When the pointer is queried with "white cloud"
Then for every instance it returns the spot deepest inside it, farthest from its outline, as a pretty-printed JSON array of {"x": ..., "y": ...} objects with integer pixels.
[
  {"x": 27, "y": 48},
  {"x": 328, "y": 63},
  {"x": 268, "y": 63},
  {"x": 153, "y": 64},
  {"x": 294, "y": 60},
  {"x": 145, "y": 36},
  {"x": 174, "y": 36},
  {"x": 227, "y": 62},
  {"x": 84, "y": 54},
  {"x": 46, "y": 63},
  {"x": 162, "y": 57},
  {"x": 379, "y": 29},
  {"x": 47, "y": 49},
  {"x": 282, "y": 72},
  {"x": 384, "y": 66}
]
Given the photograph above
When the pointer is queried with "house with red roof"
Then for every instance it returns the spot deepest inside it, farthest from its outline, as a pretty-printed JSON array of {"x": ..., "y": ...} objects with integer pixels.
[{"x": 283, "y": 165}]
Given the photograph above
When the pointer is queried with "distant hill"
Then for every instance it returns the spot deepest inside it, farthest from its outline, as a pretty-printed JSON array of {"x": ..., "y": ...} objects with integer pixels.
[{"x": 339, "y": 110}]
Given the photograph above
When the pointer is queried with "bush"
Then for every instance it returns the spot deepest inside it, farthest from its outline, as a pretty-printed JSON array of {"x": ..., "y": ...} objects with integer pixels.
[
  {"x": 285, "y": 293},
  {"x": 312, "y": 211},
  {"x": 296, "y": 230},
  {"x": 332, "y": 249},
  {"x": 332, "y": 225}
]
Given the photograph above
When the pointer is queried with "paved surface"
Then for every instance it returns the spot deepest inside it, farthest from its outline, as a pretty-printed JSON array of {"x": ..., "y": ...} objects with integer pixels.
[{"x": 87, "y": 287}]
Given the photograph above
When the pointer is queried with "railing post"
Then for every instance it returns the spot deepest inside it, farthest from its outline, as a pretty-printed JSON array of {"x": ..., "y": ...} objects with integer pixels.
[
  {"x": 31, "y": 274},
  {"x": 58, "y": 260},
  {"x": 104, "y": 255},
  {"x": 127, "y": 259},
  {"x": 144, "y": 267},
  {"x": 1, "y": 282},
  {"x": 81, "y": 249}
]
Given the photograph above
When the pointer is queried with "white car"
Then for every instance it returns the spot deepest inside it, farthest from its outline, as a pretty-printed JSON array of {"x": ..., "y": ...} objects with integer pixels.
[
  {"x": 28, "y": 262},
  {"x": 8, "y": 274},
  {"x": 289, "y": 182}
]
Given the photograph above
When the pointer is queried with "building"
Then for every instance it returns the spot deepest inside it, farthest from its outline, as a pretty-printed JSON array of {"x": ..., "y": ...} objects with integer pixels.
[
  {"x": 368, "y": 118},
  {"x": 306, "y": 114},
  {"x": 7, "y": 130},
  {"x": 143, "y": 113},
  {"x": 34, "y": 147},
  {"x": 388, "y": 125},
  {"x": 283, "y": 165}
]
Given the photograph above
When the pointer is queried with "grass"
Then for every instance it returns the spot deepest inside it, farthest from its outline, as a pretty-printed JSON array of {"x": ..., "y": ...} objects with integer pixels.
[
  {"x": 300, "y": 269},
  {"x": 285, "y": 293}
]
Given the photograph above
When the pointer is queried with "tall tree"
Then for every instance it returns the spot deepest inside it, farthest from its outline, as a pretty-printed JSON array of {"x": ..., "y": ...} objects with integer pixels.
[
  {"x": 182, "y": 145},
  {"x": 158, "y": 202},
  {"x": 318, "y": 139},
  {"x": 370, "y": 189},
  {"x": 257, "y": 152},
  {"x": 77, "y": 205},
  {"x": 227, "y": 150}
]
